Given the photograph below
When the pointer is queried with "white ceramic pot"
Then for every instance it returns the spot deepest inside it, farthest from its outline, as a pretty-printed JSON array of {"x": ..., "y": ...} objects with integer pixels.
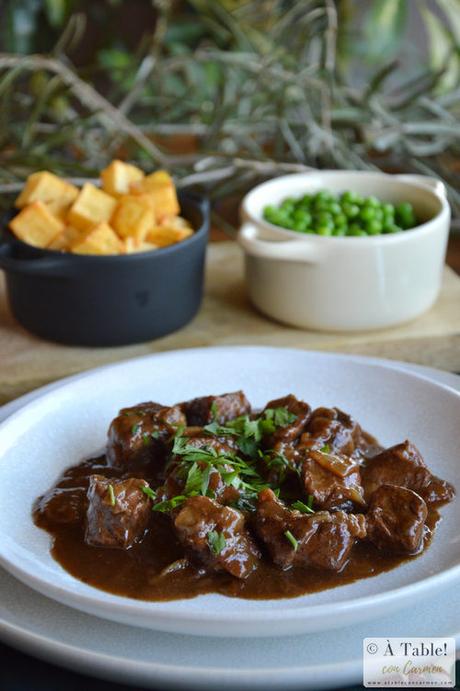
[{"x": 345, "y": 283}]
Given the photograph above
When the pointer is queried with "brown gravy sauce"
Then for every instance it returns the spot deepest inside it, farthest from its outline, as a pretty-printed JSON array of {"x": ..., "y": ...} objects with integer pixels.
[{"x": 142, "y": 571}]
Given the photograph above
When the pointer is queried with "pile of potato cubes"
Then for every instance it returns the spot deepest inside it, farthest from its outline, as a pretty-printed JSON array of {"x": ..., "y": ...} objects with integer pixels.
[{"x": 132, "y": 212}]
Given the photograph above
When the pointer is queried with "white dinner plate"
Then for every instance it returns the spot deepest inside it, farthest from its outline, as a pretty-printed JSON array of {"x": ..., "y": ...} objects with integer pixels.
[
  {"x": 70, "y": 422},
  {"x": 112, "y": 651}
]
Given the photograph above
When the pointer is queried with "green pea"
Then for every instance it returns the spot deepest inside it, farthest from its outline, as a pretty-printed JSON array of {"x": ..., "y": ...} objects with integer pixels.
[
  {"x": 287, "y": 206},
  {"x": 300, "y": 226},
  {"x": 339, "y": 231},
  {"x": 374, "y": 227},
  {"x": 393, "y": 228},
  {"x": 350, "y": 197},
  {"x": 350, "y": 210},
  {"x": 367, "y": 213},
  {"x": 301, "y": 215},
  {"x": 335, "y": 209},
  {"x": 341, "y": 220},
  {"x": 405, "y": 215},
  {"x": 404, "y": 208},
  {"x": 372, "y": 201},
  {"x": 388, "y": 209},
  {"x": 324, "y": 230},
  {"x": 324, "y": 217},
  {"x": 358, "y": 232},
  {"x": 324, "y": 195}
]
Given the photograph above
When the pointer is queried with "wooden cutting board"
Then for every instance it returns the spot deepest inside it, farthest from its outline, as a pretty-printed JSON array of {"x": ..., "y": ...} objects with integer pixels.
[{"x": 227, "y": 318}]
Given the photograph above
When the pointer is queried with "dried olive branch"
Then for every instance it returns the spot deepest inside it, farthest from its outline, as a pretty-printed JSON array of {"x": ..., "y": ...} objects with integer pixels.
[
  {"x": 110, "y": 116},
  {"x": 255, "y": 96}
]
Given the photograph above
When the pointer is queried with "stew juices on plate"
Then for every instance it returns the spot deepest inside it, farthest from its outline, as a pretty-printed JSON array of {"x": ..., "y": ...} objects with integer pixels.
[{"x": 210, "y": 496}]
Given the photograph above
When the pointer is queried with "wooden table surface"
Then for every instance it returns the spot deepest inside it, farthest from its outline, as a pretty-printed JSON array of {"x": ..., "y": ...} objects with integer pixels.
[{"x": 227, "y": 318}]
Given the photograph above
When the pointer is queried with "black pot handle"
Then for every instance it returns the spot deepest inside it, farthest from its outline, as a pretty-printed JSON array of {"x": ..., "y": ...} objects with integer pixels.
[{"x": 58, "y": 267}]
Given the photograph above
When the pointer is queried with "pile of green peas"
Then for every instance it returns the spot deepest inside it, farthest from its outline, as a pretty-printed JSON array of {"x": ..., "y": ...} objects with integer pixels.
[{"x": 347, "y": 214}]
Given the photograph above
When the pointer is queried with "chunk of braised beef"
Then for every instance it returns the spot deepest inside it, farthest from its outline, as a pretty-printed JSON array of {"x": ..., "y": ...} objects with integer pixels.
[
  {"x": 118, "y": 512},
  {"x": 329, "y": 489},
  {"x": 62, "y": 505},
  {"x": 206, "y": 409},
  {"x": 222, "y": 444},
  {"x": 288, "y": 433},
  {"x": 396, "y": 520},
  {"x": 403, "y": 465},
  {"x": 334, "y": 428},
  {"x": 216, "y": 537},
  {"x": 141, "y": 434},
  {"x": 323, "y": 539}
]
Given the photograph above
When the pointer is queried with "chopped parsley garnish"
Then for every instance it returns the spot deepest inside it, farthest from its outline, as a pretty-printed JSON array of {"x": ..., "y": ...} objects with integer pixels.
[
  {"x": 195, "y": 466},
  {"x": 325, "y": 448},
  {"x": 292, "y": 540},
  {"x": 275, "y": 460},
  {"x": 280, "y": 416},
  {"x": 112, "y": 497},
  {"x": 149, "y": 492},
  {"x": 135, "y": 429},
  {"x": 303, "y": 508},
  {"x": 216, "y": 542},
  {"x": 214, "y": 410},
  {"x": 249, "y": 432},
  {"x": 147, "y": 437},
  {"x": 169, "y": 504}
]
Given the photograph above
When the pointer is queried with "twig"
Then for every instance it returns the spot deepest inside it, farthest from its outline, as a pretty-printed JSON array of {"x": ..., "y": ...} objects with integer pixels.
[{"x": 111, "y": 116}]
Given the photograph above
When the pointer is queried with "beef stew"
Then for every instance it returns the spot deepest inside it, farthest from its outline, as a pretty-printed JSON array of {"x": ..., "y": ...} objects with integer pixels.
[{"x": 210, "y": 496}]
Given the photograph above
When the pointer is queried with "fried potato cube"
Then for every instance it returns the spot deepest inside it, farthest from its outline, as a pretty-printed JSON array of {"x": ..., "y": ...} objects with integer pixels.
[
  {"x": 163, "y": 235},
  {"x": 36, "y": 225},
  {"x": 102, "y": 239},
  {"x": 66, "y": 239},
  {"x": 134, "y": 216},
  {"x": 59, "y": 208},
  {"x": 91, "y": 207},
  {"x": 45, "y": 187},
  {"x": 161, "y": 186},
  {"x": 132, "y": 246},
  {"x": 118, "y": 176}
]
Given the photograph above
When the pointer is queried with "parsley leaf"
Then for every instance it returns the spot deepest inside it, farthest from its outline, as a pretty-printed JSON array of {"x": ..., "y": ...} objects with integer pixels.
[
  {"x": 292, "y": 540},
  {"x": 112, "y": 497},
  {"x": 303, "y": 508},
  {"x": 169, "y": 504},
  {"x": 194, "y": 480},
  {"x": 216, "y": 542},
  {"x": 283, "y": 417},
  {"x": 149, "y": 492}
]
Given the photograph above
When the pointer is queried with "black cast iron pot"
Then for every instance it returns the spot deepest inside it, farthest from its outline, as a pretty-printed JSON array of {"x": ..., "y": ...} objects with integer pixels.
[{"x": 93, "y": 300}]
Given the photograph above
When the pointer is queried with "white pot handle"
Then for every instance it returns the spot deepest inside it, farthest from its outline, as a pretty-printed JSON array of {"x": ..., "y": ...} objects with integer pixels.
[
  {"x": 433, "y": 184},
  {"x": 290, "y": 250}
]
